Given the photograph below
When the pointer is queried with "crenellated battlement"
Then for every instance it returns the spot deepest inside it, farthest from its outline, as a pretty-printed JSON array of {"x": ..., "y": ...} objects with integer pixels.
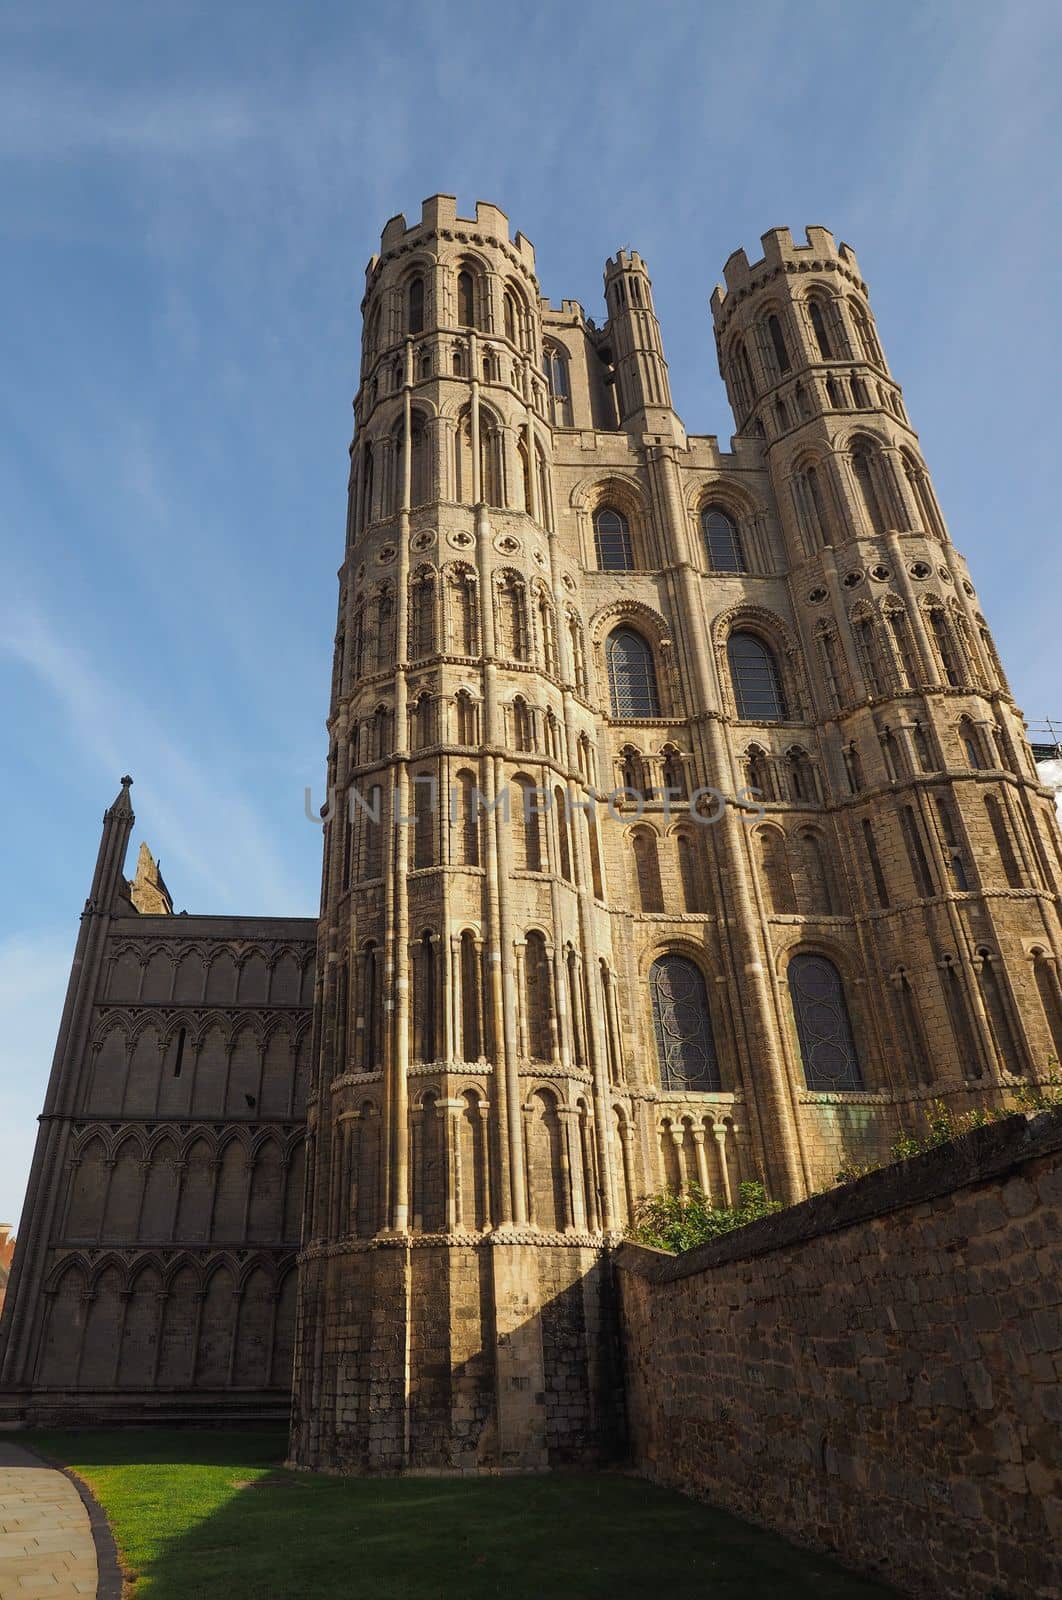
[
  {"x": 780, "y": 254},
  {"x": 624, "y": 261},
  {"x": 438, "y": 217}
]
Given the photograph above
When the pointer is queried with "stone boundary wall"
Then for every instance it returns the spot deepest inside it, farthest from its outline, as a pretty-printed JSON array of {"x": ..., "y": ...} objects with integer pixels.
[{"x": 875, "y": 1372}]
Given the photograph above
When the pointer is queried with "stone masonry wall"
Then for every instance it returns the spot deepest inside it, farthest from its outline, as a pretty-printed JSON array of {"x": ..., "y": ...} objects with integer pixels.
[{"x": 875, "y": 1371}]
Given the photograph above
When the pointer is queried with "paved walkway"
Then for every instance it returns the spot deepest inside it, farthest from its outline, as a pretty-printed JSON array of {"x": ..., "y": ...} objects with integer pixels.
[{"x": 46, "y": 1544}]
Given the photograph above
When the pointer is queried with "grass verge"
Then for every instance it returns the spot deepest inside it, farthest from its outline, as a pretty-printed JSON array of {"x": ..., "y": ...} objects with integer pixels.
[{"x": 200, "y": 1514}]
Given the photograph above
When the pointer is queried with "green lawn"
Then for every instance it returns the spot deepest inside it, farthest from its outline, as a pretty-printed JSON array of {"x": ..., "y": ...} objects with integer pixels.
[{"x": 210, "y": 1514}]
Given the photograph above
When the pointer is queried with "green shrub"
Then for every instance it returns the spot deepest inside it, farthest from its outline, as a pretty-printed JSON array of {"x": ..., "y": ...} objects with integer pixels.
[
  {"x": 941, "y": 1124},
  {"x": 678, "y": 1222}
]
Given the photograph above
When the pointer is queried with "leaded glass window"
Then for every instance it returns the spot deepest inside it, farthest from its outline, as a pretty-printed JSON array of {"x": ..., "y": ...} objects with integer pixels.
[
  {"x": 721, "y": 541},
  {"x": 824, "y": 1029},
  {"x": 631, "y": 675},
  {"x": 612, "y": 541},
  {"x": 757, "y": 687},
  {"x": 685, "y": 1049}
]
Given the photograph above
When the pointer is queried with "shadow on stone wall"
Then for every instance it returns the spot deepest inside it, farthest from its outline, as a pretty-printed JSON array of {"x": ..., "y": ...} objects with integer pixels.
[{"x": 876, "y": 1370}]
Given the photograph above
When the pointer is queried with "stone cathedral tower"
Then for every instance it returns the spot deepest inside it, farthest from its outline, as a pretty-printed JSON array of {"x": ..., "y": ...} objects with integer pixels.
[{"x": 681, "y": 824}]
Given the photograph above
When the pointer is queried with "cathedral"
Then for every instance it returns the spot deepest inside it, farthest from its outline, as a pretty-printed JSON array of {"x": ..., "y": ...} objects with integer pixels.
[{"x": 680, "y": 829}]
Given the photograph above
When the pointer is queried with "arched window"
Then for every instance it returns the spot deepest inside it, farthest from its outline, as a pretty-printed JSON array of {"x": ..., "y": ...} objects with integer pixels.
[
  {"x": 466, "y": 299},
  {"x": 865, "y": 629},
  {"x": 1001, "y": 834},
  {"x": 870, "y": 847},
  {"x": 538, "y": 1001},
  {"x": 811, "y": 504},
  {"x": 420, "y": 463},
  {"x": 423, "y": 721},
  {"x": 385, "y": 630},
  {"x": 560, "y": 800},
  {"x": 491, "y": 462},
  {"x": 461, "y": 594},
  {"x": 612, "y": 541},
  {"x": 777, "y": 878},
  {"x": 863, "y": 470},
  {"x": 1006, "y": 1038},
  {"x": 971, "y": 744},
  {"x": 424, "y": 1000},
  {"x": 367, "y": 507},
  {"x": 916, "y": 855},
  {"x": 953, "y": 853},
  {"x": 632, "y": 771},
  {"x": 647, "y": 870},
  {"x": 631, "y": 675},
  {"x": 466, "y": 830},
  {"x": 415, "y": 308},
  {"x": 372, "y": 332},
  {"x": 527, "y": 825},
  {"x": 674, "y": 772},
  {"x": 721, "y": 541},
  {"x": 512, "y": 318},
  {"x": 523, "y": 733},
  {"x": 754, "y": 675},
  {"x": 817, "y": 313},
  {"x": 422, "y": 614},
  {"x": 1047, "y": 987},
  {"x": 817, "y": 873},
  {"x": 890, "y": 753},
  {"x": 690, "y": 874},
  {"x": 467, "y": 718},
  {"x": 867, "y": 337},
  {"x": 471, "y": 999},
  {"x": 555, "y": 366},
  {"x": 988, "y": 645},
  {"x": 744, "y": 386},
  {"x": 898, "y": 624},
  {"x": 824, "y": 1029},
  {"x": 777, "y": 338},
  {"x": 923, "y": 752},
  {"x": 511, "y": 626},
  {"x": 758, "y": 773},
  {"x": 833, "y": 672},
  {"x": 370, "y": 1009},
  {"x": 546, "y": 633},
  {"x": 801, "y": 776},
  {"x": 942, "y": 637},
  {"x": 424, "y": 791},
  {"x": 685, "y": 1048},
  {"x": 919, "y": 1069}
]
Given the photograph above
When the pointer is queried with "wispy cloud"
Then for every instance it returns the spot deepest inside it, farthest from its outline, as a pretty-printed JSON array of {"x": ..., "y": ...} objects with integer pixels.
[
  {"x": 48, "y": 117},
  {"x": 33, "y": 975},
  {"x": 195, "y": 814}
]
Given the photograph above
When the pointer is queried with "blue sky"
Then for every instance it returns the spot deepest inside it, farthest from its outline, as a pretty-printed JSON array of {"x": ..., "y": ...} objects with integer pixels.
[{"x": 188, "y": 197}]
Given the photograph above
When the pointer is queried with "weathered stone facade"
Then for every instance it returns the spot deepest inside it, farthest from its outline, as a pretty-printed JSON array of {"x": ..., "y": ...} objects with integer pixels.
[
  {"x": 876, "y": 1372},
  {"x": 155, "y": 1270},
  {"x": 681, "y": 828},
  {"x": 552, "y": 590}
]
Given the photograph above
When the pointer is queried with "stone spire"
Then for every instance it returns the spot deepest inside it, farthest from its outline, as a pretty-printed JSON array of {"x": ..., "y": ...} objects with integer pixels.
[{"x": 147, "y": 889}]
